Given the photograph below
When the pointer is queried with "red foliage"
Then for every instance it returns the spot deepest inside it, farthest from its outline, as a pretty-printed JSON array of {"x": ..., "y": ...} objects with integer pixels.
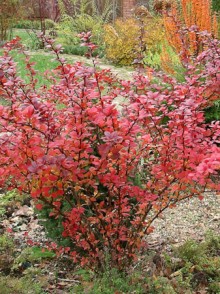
[{"x": 116, "y": 170}]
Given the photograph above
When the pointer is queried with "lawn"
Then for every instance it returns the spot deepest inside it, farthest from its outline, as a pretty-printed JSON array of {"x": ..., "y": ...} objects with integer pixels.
[{"x": 42, "y": 63}]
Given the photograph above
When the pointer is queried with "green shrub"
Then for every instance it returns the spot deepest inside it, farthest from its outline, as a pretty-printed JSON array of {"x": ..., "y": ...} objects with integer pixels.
[
  {"x": 216, "y": 5},
  {"x": 214, "y": 288},
  {"x": 212, "y": 113},
  {"x": 160, "y": 285},
  {"x": 50, "y": 24},
  {"x": 191, "y": 251},
  {"x": 212, "y": 245},
  {"x": 87, "y": 23},
  {"x": 202, "y": 262},
  {"x": 54, "y": 228},
  {"x": 75, "y": 50},
  {"x": 34, "y": 24},
  {"x": 27, "y": 24},
  {"x": 68, "y": 29}
]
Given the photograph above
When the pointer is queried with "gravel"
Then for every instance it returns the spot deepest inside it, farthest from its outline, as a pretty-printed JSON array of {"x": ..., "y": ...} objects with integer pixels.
[{"x": 190, "y": 219}]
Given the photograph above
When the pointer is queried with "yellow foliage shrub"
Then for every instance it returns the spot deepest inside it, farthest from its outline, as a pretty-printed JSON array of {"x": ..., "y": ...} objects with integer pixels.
[{"x": 122, "y": 40}]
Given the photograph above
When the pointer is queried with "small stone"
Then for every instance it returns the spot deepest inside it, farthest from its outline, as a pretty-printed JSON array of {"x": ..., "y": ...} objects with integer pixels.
[
  {"x": 17, "y": 220},
  {"x": 23, "y": 227},
  {"x": 24, "y": 211}
]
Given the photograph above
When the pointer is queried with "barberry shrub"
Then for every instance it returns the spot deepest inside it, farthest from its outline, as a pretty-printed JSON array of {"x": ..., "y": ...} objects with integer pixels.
[
  {"x": 190, "y": 14},
  {"x": 122, "y": 40},
  {"x": 107, "y": 172}
]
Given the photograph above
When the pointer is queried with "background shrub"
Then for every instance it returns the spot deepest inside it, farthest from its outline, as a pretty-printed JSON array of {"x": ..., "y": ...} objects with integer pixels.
[
  {"x": 122, "y": 39},
  {"x": 186, "y": 14},
  {"x": 34, "y": 24},
  {"x": 68, "y": 29}
]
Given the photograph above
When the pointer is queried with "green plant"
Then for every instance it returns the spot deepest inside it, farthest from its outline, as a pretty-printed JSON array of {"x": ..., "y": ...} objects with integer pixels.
[
  {"x": 69, "y": 28},
  {"x": 215, "y": 5},
  {"x": 9, "y": 200},
  {"x": 6, "y": 244},
  {"x": 212, "y": 244},
  {"x": 160, "y": 285},
  {"x": 212, "y": 113},
  {"x": 6, "y": 254},
  {"x": 25, "y": 261},
  {"x": 183, "y": 280},
  {"x": 67, "y": 36},
  {"x": 104, "y": 10},
  {"x": 166, "y": 59},
  {"x": 32, "y": 255},
  {"x": 82, "y": 16},
  {"x": 152, "y": 59},
  {"x": 9, "y": 285},
  {"x": 110, "y": 281},
  {"x": 53, "y": 227},
  {"x": 191, "y": 251},
  {"x": 202, "y": 263},
  {"x": 214, "y": 288},
  {"x": 33, "y": 24}
]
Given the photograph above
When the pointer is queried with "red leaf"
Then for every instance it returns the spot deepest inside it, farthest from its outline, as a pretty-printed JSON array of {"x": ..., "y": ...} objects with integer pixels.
[{"x": 39, "y": 206}]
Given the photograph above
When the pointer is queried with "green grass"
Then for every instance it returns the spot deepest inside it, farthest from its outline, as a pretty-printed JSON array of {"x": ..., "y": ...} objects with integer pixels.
[
  {"x": 28, "y": 38},
  {"x": 42, "y": 63},
  {"x": 44, "y": 60},
  {"x": 22, "y": 33}
]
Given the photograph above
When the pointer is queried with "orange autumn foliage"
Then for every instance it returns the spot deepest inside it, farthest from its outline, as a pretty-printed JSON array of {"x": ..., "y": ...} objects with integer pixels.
[
  {"x": 171, "y": 21},
  {"x": 189, "y": 13},
  {"x": 166, "y": 62},
  {"x": 197, "y": 12}
]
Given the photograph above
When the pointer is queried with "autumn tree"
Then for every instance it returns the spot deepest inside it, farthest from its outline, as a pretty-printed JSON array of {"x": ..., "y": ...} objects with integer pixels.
[{"x": 10, "y": 10}]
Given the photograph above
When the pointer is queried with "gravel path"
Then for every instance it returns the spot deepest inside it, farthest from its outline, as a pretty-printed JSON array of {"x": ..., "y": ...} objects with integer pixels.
[{"x": 191, "y": 219}]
